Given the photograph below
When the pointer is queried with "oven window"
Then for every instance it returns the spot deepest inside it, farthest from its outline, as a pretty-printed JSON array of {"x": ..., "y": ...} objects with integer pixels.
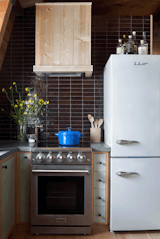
[{"x": 60, "y": 195}]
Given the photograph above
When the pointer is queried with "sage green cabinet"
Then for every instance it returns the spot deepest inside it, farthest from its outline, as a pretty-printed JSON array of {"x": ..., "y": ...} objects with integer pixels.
[
  {"x": 8, "y": 195},
  {"x": 24, "y": 187}
]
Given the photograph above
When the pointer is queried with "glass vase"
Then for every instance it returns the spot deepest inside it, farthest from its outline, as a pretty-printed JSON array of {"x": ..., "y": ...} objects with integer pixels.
[{"x": 21, "y": 134}]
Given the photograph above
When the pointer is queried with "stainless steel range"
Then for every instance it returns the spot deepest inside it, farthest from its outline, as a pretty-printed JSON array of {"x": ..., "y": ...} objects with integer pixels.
[{"x": 61, "y": 189}]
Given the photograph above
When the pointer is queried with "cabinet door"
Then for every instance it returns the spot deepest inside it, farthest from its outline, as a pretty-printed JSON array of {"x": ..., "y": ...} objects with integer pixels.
[
  {"x": 8, "y": 196},
  {"x": 24, "y": 187}
]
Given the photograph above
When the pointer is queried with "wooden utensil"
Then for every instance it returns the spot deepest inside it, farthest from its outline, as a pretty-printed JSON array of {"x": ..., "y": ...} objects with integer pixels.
[
  {"x": 91, "y": 119},
  {"x": 96, "y": 123},
  {"x": 100, "y": 122}
]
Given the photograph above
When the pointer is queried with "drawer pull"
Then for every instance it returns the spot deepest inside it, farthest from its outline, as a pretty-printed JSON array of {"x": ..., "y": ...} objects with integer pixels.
[
  {"x": 25, "y": 157},
  {"x": 99, "y": 197},
  {"x": 99, "y": 215},
  {"x": 4, "y": 166},
  {"x": 100, "y": 180},
  {"x": 101, "y": 163}
]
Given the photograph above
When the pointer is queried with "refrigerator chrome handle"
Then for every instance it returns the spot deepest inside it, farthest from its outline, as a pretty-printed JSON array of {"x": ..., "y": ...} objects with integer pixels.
[
  {"x": 120, "y": 173},
  {"x": 121, "y": 141}
]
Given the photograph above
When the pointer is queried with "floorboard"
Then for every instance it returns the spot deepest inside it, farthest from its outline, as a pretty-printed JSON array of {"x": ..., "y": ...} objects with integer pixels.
[{"x": 98, "y": 232}]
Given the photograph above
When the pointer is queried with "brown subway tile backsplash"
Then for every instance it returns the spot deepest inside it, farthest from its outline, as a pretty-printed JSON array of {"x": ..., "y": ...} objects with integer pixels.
[{"x": 71, "y": 99}]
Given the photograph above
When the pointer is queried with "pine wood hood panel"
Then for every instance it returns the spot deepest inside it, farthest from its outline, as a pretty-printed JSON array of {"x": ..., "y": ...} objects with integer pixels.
[{"x": 63, "y": 37}]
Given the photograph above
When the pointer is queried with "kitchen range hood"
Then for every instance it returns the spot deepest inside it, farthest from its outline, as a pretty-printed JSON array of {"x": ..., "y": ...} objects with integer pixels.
[{"x": 63, "y": 39}]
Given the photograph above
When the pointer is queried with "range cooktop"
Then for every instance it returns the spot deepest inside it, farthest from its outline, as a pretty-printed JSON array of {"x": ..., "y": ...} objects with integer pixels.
[{"x": 53, "y": 144}]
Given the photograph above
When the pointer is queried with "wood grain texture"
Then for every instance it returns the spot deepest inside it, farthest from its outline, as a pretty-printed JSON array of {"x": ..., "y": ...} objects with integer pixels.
[
  {"x": 63, "y": 37},
  {"x": 4, "y": 44},
  {"x": 58, "y": 27},
  {"x": 6, "y": 35},
  {"x": 97, "y": 232},
  {"x": 66, "y": 69},
  {"x": 2, "y": 54},
  {"x": 5, "y": 10}
]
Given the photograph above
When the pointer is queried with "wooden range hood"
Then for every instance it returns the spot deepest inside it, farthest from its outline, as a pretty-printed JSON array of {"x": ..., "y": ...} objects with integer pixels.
[{"x": 63, "y": 39}]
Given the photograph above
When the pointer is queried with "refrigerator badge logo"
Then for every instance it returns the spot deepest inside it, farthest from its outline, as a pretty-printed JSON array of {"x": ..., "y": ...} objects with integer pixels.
[
  {"x": 140, "y": 64},
  {"x": 60, "y": 219}
]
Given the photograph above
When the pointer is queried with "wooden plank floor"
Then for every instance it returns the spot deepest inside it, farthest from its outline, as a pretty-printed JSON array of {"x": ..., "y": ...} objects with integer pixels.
[{"x": 98, "y": 232}]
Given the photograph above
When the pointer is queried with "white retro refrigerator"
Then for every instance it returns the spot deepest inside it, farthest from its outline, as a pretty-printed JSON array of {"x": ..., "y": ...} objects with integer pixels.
[{"x": 132, "y": 129}]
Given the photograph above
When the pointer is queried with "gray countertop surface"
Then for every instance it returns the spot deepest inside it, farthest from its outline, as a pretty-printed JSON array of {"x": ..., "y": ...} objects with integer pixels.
[
  {"x": 11, "y": 147},
  {"x": 101, "y": 147}
]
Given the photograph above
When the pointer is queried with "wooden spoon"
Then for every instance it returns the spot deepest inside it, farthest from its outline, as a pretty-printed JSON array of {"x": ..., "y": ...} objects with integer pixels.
[
  {"x": 100, "y": 122},
  {"x": 96, "y": 123},
  {"x": 91, "y": 119}
]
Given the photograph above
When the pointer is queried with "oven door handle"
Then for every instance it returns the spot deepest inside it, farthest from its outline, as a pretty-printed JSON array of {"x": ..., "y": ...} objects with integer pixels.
[{"x": 59, "y": 171}]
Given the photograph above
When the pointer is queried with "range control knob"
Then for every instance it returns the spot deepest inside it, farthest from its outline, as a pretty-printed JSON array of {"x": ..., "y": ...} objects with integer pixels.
[
  {"x": 50, "y": 157},
  {"x": 60, "y": 157},
  {"x": 81, "y": 157},
  {"x": 70, "y": 157},
  {"x": 40, "y": 158}
]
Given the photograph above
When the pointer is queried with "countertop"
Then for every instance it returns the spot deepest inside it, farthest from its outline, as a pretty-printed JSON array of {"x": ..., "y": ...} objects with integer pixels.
[
  {"x": 101, "y": 147},
  {"x": 14, "y": 146}
]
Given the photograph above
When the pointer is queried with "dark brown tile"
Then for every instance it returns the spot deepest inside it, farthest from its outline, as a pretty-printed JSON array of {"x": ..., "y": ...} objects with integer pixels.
[{"x": 71, "y": 99}]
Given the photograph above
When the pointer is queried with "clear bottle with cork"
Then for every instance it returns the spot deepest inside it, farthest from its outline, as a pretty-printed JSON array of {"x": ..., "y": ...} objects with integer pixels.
[
  {"x": 119, "y": 48},
  {"x": 135, "y": 43},
  {"x": 124, "y": 44},
  {"x": 145, "y": 41},
  {"x": 130, "y": 45},
  {"x": 142, "y": 48}
]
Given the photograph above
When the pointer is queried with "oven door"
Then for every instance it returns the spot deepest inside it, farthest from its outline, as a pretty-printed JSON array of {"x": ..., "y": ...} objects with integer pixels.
[{"x": 61, "y": 195}]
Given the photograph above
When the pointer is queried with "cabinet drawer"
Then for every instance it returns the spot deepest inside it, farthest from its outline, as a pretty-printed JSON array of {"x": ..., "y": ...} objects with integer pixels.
[
  {"x": 99, "y": 196},
  {"x": 97, "y": 177},
  {"x": 100, "y": 162},
  {"x": 99, "y": 213}
]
